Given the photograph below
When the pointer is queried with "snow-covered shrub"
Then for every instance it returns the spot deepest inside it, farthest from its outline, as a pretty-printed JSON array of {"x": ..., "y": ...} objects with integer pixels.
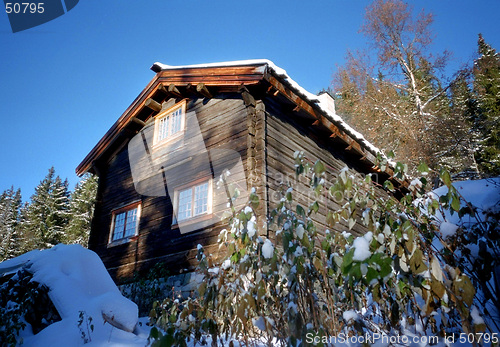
[
  {"x": 85, "y": 326},
  {"x": 23, "y": 302},
  {"x": 305, "y": 280}
]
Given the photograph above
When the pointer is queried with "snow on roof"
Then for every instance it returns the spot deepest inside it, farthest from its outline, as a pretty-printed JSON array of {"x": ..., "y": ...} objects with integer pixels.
[{"x": 322, "y": 103}]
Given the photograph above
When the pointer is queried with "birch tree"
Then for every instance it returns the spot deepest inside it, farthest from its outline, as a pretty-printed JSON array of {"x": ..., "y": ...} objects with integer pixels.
[{"x": 396, "y": 93}]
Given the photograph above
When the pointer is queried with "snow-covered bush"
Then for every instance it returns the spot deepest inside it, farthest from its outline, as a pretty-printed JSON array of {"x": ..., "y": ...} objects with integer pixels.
[
  {"x": 400, "y": 278},
  {"x": 62, "y": 293},
  {"x": 23, "y": 301}
]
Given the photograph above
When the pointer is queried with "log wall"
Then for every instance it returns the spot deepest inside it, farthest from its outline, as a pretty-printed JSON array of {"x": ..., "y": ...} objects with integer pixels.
[{"x": 223, "y": 126}]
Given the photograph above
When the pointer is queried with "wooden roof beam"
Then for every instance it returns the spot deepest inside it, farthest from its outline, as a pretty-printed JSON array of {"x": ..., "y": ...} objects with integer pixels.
[
  {"x": 248, "y": 99},
  {"x": 191, "y": 89},
  {"x": 138, "y": 121},
  {"x": 203, "y": 90},
  {"x": 170, "y": 90},
  {"x": 153, "y": 104}
]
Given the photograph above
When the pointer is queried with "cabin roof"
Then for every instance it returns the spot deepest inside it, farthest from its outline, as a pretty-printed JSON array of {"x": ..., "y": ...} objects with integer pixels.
[{"x": 230, "y": 77}]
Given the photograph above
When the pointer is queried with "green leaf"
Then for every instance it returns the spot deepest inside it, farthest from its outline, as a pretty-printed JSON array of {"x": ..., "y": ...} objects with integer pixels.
[
  {"x": 254, "y": 199},
  {"x": 388, "y": 184},
  {"x": 167, "y": 341},
  {"x": 300, "y": 211},
  {"x": 347, "y": 261},
  {"x": 355, "y": 271},
  {"x": 314, "y": 207},
  {"x": 319, "y": 167},
  {"x": 423, "y": 168},
  {"x": 446, "y": 178},
  {"x": 433, "y": 207},
  {"x": 455, "y": 203},
  {"x": 371, "y": 274}
]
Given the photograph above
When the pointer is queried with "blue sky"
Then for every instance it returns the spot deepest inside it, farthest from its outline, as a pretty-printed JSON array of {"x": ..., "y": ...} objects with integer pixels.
[{"x": 64, "y": 83}]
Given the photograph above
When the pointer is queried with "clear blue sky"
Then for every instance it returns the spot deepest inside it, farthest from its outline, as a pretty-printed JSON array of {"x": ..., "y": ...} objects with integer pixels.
[{"x": 64, "y": 83}]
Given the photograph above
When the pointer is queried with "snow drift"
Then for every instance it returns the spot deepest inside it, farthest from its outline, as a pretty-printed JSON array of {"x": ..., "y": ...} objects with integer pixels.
[{"x": 79, "y": 286}]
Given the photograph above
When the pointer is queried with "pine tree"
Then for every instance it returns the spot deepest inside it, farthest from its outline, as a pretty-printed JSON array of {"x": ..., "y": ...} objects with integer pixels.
[
  {"x": 45, "y": 217},
  {"x": 10, "y": 203},
  {"x": 81, "y": 210},
  {"x": 459, "y": 139},
  {"x": 487, "y": 119}
]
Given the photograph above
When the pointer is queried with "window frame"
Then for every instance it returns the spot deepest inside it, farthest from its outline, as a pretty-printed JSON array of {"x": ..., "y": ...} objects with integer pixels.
[
  {"x": 117, "y": 211},
  {"x": 193, "y": 218},
  {"x": 164, "y": 114}
]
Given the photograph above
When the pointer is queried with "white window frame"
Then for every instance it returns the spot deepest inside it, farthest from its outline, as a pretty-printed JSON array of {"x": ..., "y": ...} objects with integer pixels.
[
  {"x": 201, "y": 216},
  {"x": 118, "y": 211},
  {"x": 165, "y": 115}
]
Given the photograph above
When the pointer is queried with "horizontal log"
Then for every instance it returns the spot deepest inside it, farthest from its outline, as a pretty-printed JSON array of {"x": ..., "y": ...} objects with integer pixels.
[
  {"x": 203, "y": 90},
  {"x": 172, "y": 90},
  {"x": 138, "y": 121},
  {"x": 153, "y": 104}
]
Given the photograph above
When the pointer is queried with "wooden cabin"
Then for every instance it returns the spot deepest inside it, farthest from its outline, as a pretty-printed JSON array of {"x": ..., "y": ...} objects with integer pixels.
[{"x": 160, "y": 165}]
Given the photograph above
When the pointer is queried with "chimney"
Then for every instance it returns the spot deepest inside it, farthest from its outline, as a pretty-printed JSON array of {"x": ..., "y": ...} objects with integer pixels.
[{"x": 327, "y": 102}]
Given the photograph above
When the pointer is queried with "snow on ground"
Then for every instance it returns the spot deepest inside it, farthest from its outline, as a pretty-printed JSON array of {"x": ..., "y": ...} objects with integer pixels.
[
  {"x": 78, "y": 282},
  {"x": 483, "y": 194},
  {"x": 448, "y": 229}
]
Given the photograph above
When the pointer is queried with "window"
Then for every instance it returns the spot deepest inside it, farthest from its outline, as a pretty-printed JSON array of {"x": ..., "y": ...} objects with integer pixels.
[
  {"x": 170, "y": 124},
  {"x": 125, "y": 222},
  {"x": 194, "y": 201}
]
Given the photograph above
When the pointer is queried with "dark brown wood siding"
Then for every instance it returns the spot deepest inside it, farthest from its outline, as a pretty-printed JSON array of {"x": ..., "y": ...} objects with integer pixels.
[
  {"x": 288, "y": 132},
  {"x": 222, "y": 122}
]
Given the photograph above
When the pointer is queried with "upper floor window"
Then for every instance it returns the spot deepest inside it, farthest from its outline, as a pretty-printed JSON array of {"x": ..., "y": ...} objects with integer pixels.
[
  {"x": 170, "y": 123},
  {"x": 193, "y": 201},
  {"x": 125, "y": 222}
]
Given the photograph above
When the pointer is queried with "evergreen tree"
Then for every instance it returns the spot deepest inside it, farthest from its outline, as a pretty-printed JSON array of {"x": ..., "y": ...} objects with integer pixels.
[
  {"x": 45, "y": 217},
  {"x": 487, "y": 119},
  {"x": 81, "y": 210},
  {"x": 10, "y": 203}
]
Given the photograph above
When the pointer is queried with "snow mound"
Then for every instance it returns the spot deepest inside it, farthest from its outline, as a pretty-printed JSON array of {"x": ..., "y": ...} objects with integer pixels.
[
  {"x": 483, "y": 194},
  {"x": 78, "y": 282}
]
